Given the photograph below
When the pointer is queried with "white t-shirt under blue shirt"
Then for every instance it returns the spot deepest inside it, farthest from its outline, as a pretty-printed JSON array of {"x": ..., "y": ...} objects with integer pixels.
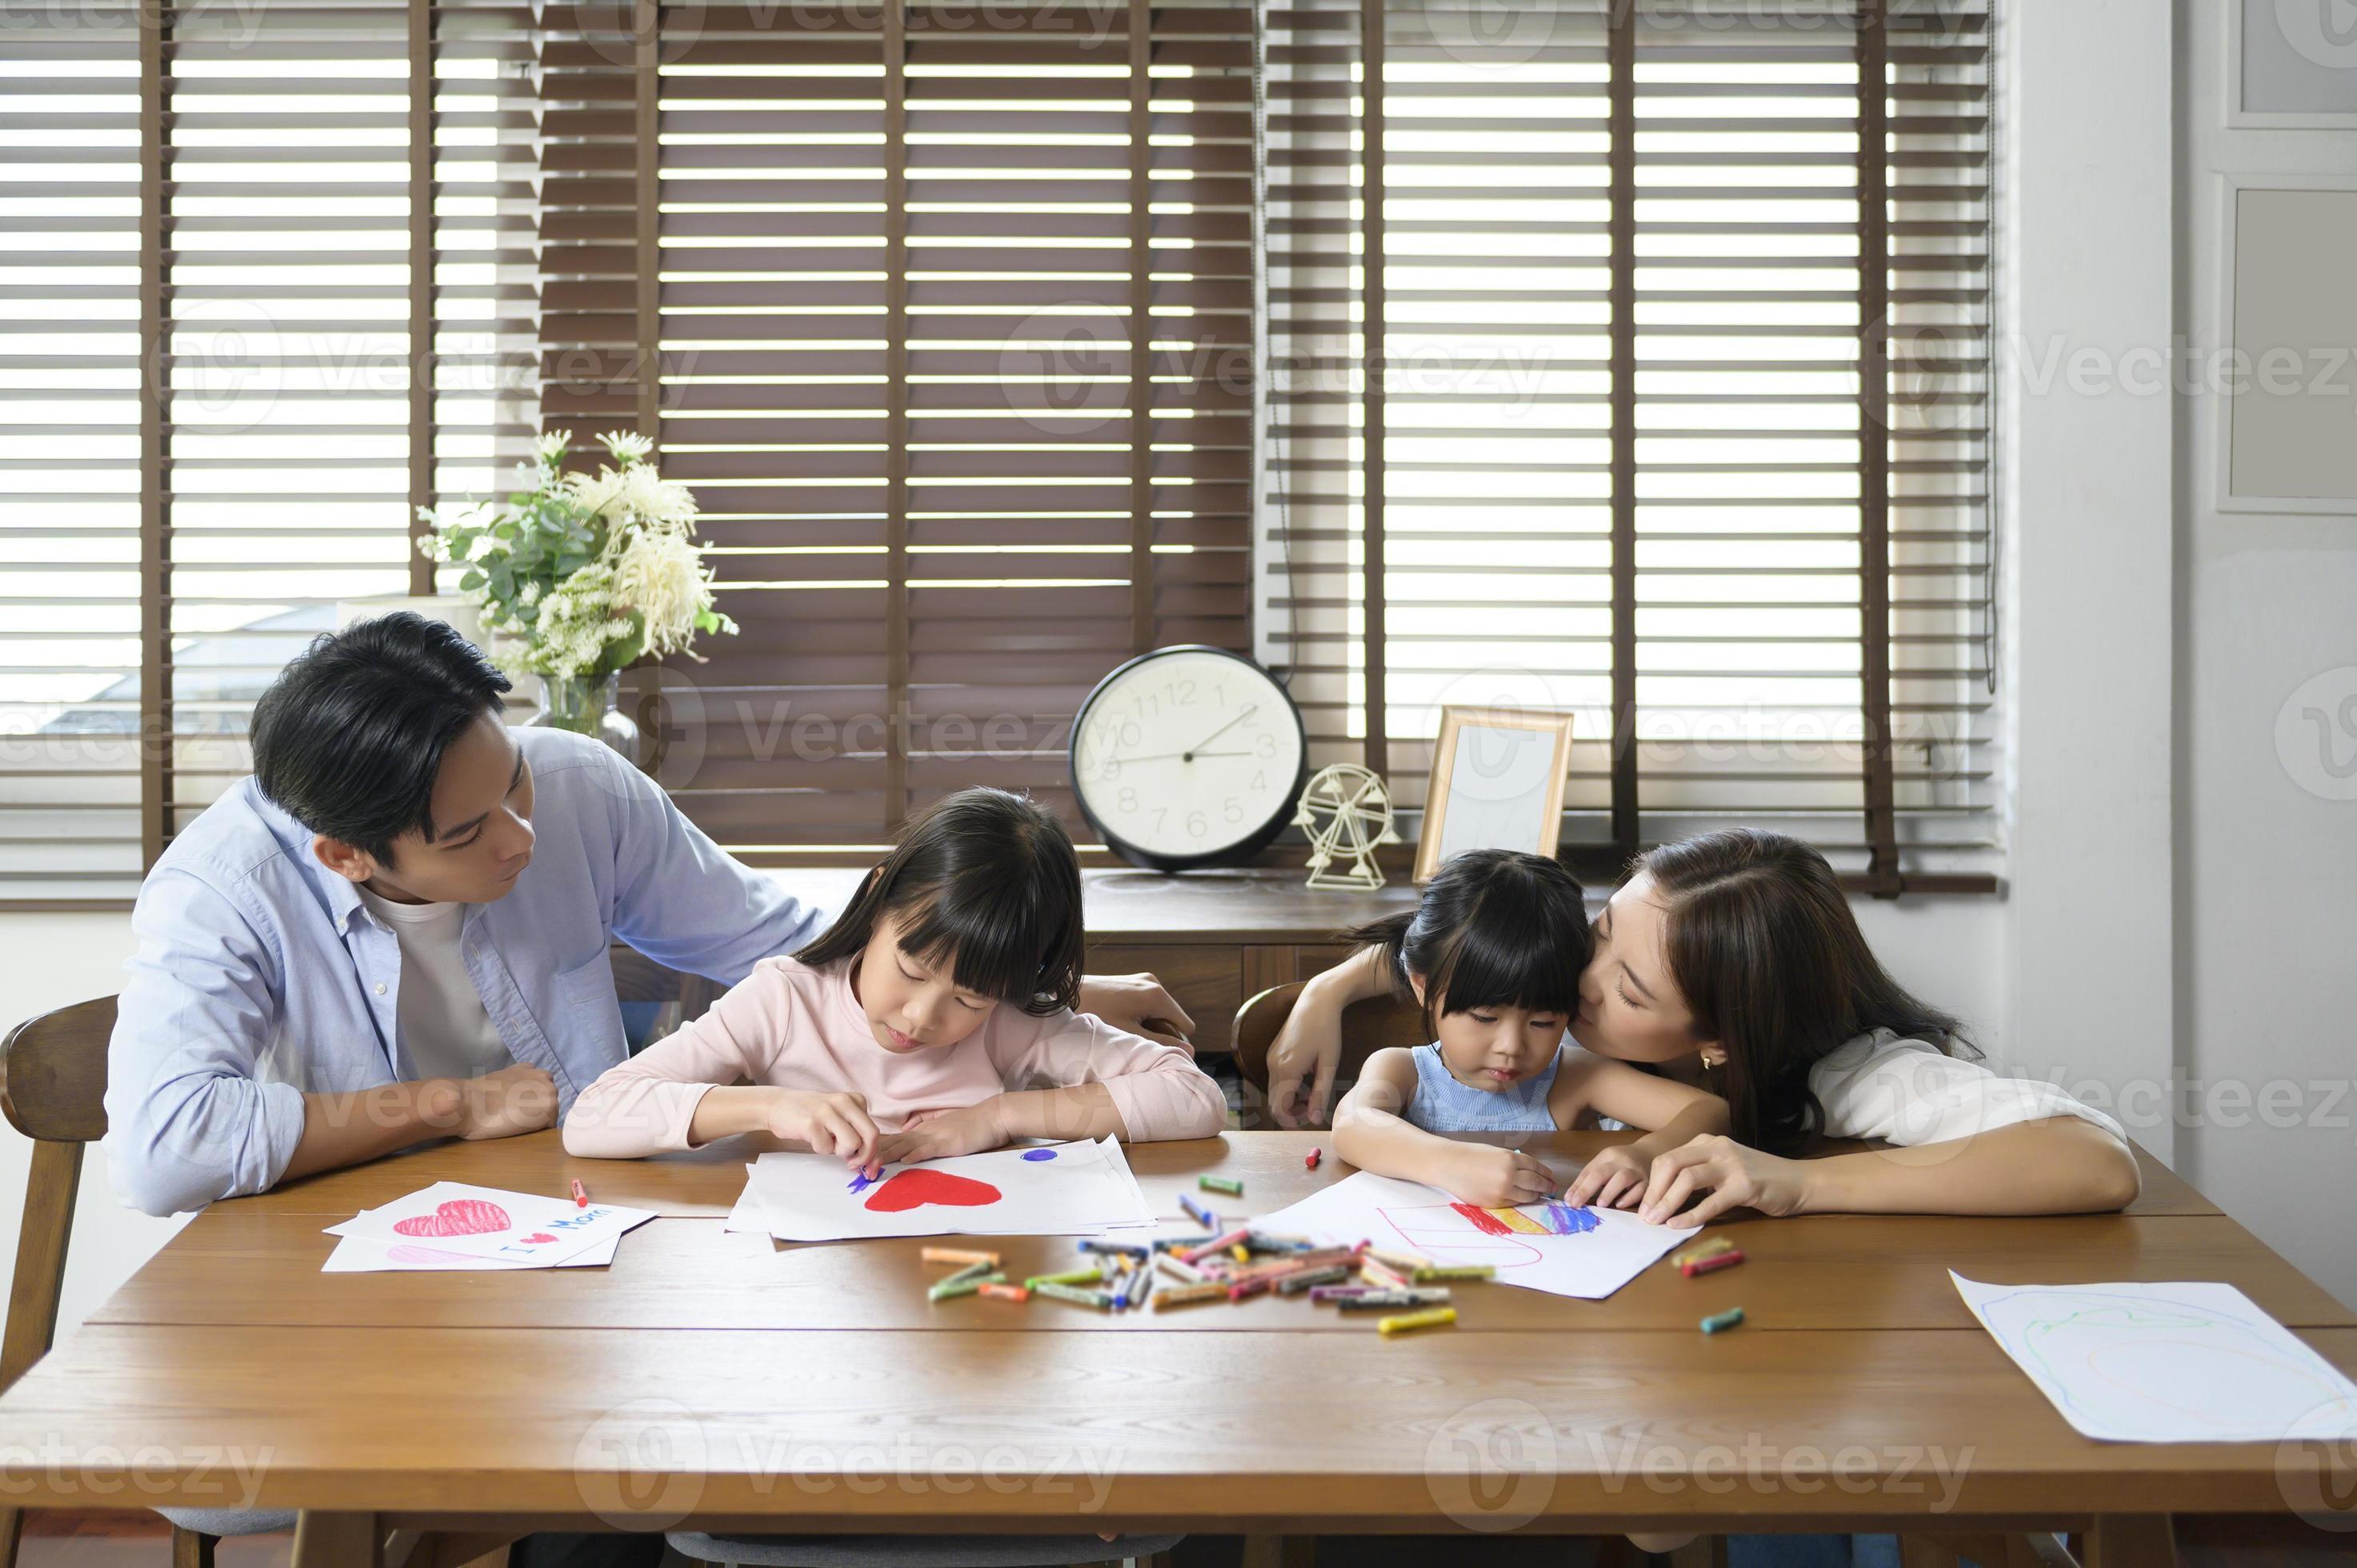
[{"x": 445, "y": 1031}]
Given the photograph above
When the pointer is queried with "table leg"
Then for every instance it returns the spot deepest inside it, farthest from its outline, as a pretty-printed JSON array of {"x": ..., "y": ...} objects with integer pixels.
[
  {"x": 2130, "y": 1541},
  {"x": 338, "y": 1540}
]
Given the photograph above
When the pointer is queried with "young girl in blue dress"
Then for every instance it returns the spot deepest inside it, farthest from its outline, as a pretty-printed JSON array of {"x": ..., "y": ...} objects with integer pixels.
[{"x": 1493, "y": 953}]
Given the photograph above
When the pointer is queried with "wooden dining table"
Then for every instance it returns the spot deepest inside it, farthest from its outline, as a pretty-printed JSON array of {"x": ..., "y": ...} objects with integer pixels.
[{"x": 721, "y": 1381}]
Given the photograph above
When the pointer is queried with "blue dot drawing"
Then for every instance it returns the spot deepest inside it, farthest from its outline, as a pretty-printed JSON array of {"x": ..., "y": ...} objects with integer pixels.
[{"x": 1039, "y": 1154}]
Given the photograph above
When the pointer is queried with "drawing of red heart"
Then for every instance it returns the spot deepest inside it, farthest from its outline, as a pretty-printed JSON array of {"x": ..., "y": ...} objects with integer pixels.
[
  {"x": 540, "y": 1236},
  {"x": 459, "y": 1216},
  {"x": 915, "y": 1188}
]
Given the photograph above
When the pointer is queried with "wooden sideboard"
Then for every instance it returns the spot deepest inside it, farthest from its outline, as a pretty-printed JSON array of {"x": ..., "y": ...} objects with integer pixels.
[{"x": 1213, "y": 937}]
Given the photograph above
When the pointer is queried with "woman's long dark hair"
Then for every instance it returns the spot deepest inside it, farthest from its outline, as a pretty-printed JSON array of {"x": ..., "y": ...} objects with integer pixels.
[
  {"x": 1762, "y": 944},
  {"x": 987, "y": 882},
  {"x": 1494, "y": 929}
]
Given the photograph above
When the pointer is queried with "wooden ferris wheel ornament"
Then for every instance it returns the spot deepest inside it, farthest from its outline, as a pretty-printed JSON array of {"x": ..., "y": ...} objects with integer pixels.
[{"x": 1348, "y": 810}]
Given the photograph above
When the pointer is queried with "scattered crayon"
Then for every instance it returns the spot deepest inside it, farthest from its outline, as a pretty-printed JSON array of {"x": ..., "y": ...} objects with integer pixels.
[
  {"x": 1179, "y": 1243},
  {"x": 1216, "y": 1245},
  {"x": 1711, "y": 1248},
  {"x": 1436, "y": 1274},
  {"x": 1391, "y": 1300},
  {"x": 1309, "y": 1279},
  {"x": 1253, "y": 1286},
  {"x": 1074, "y": 1293},
  {"x": 1191, "y": 1296},
  {"x": 1186, "y": 1273},
  {"x": 962, "y": 1284},
  {"x": 958, "y": 1255},
  {"x": 1228, "y": 1185},
  {"x": 1713, "y": 1263},
  {"x": 1340, "y": 1292},
  {"x": 1068, "y": 1280},
  {"x": 1376, "y": 1274},
  {"x": 580, "y": 1194},
  {"x": 999, "y": 1290},
  {"x": 1197, "y": 1213},
  {"x": 1399, "y": 1262},
  {"x": 1409, "y": 1323},
  {"x": 1310, "y": 1163},
  {"x": 1114, "y": 1249},
  {"x": 1719, "y": 1322},
  {"x": 1240, "y": 1253},
  {"x": 971, "y": 1272}
]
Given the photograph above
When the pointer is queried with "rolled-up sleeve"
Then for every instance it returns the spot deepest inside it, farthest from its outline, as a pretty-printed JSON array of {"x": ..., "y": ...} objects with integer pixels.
[
  {"x": 1909, "y": 1092},
  {"x": 187, "y": 1120},
  {"x": 1158, "y": 1090}
]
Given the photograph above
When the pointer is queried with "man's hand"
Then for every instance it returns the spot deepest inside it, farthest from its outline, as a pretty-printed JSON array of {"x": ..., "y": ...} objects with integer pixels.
[
  {"x": 517, "y": 1099},
  {"x": 1138, "y": 1003}
]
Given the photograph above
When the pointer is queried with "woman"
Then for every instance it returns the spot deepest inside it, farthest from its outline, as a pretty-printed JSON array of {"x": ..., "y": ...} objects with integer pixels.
[{"x": 1732, "y": 961}]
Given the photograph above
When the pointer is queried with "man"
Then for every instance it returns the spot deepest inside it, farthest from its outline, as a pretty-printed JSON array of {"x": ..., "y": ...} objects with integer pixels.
[{"x": 397, "y": 929}]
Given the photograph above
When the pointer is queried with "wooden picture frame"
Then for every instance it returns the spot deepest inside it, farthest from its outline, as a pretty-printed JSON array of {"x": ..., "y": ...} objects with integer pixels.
[{"x": 1510, "y": 793}]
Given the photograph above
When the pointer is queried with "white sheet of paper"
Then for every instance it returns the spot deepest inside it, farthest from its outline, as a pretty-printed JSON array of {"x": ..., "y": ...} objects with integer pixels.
[
  {"x": 493, "y": 1222},
  {"x": 746, "y": 1213},
  {"x": 2192, "y": 1363},
  {"x": 1590, "y": 1263},
  {"x": 366, "y": 1255},
  {"x": 1065, "y": 1189}
]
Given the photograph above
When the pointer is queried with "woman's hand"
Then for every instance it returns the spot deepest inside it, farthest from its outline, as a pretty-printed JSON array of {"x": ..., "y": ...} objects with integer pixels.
[
  {"x": 1495, "y": 1178},
  {"x": 1615, "y": 1178},
  {"x": 1303, "y": 1059},
  {"x": 829, "y": 1123},
  {"x": 1734, "y": 1174},
  {"x": 966, "y": 1131},
  {"x": 1138, "y": 1003}
]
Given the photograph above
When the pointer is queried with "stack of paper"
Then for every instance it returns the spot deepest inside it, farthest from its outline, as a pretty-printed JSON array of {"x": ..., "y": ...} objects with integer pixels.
[
  {"x": 453, "y": 1226},
  {"x": 1582, "y": 1252},
  {"x": 1062, "y": 1190}
]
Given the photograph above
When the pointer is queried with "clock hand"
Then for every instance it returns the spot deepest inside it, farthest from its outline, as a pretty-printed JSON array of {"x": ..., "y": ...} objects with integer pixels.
[
  {"x": 1250, "y": 709},
  {"x": 1167, "y": 755}
]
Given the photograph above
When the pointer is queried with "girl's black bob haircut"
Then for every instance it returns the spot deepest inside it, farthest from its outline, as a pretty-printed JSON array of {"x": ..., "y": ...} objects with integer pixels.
[
  {"x": 1494, "y": 929},
  {"x": 987, "y": 882}
]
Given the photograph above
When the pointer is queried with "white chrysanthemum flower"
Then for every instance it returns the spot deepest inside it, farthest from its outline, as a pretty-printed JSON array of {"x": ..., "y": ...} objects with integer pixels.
[
  {"x": 551, "y": 447},
  {"x": 627, "y": 446},
  {"x": 660, "y": 574}
]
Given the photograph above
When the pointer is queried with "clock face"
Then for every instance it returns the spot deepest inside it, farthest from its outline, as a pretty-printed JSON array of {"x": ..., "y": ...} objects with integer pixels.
[{"x": 1188, "y": 756}]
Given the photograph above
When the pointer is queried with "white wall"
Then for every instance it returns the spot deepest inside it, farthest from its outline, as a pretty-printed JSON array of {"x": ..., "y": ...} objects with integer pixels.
[
  {"x": 2268, "y": 868},
  {"x": 46, "y": 962}
]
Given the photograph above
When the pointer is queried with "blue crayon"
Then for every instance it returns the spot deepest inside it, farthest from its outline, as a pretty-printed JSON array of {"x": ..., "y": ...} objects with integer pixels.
[{"x": 1199, "y": 1214}]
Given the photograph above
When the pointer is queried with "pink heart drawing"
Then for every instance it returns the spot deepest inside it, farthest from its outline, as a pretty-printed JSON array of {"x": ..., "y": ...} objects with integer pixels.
[
  {"x": 459, "y": 1216},
  {"x": 541, "y": 1237}
]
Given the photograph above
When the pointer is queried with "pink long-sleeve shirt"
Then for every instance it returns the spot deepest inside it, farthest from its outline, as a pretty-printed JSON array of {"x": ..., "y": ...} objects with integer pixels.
[{"x": 789, "y": 1025}]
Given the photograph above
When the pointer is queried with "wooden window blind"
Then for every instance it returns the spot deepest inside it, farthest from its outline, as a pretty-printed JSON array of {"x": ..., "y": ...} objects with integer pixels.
[
  {"x": 297, "y": 250},
  {"x": 1634, "y": 361},
  {"x": 943, "y": 310}
]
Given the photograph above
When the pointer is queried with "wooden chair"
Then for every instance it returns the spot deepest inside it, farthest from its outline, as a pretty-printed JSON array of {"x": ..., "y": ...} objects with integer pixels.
[
  {"x": 53, "y": 1089},
  {"x": 1367, "y": 1028}
]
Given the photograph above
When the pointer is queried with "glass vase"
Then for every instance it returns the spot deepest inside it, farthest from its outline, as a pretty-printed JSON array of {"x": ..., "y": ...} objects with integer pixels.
[{"x": 590, "y": 705}]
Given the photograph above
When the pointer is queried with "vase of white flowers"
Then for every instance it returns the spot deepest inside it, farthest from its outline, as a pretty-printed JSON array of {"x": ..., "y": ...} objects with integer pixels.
[{"x": 580, "y": 576}]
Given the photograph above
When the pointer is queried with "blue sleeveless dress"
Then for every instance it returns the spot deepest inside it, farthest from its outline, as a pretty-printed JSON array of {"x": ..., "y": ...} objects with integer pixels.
[{"x": 1444, "y": 1105}]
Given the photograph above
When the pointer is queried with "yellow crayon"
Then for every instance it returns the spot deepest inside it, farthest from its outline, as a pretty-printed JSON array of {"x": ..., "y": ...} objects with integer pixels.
[
  {"x": 1191, "y": 1296},
  {"x": 1068, "y": 1277},
  {"x": 1710, "y": 1248},
  {"x": 957, "y": 1255},
  {"x": 1408, "y": 1323},
  {"x": 1436, "y": 1273}
]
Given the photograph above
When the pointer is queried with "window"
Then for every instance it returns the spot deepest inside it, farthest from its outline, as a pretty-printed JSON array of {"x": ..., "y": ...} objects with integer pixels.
[
  {"x": 947, "y": 321},
  {"x": 1588, "y": 392}
]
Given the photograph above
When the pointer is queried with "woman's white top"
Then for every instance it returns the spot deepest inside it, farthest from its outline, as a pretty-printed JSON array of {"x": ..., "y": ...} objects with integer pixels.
[{"x": 1908, "y": 1091}]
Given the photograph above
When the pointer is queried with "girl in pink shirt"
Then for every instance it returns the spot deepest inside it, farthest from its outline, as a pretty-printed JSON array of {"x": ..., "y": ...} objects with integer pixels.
[{"x": 933, "y": 1019}]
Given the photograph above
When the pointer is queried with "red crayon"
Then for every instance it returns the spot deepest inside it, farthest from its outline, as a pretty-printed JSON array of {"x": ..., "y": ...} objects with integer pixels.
[
  {"x": 1315, "y": 1155},
  {"x": 1726, "y": 1260},
  {"x": 580, "y": 1199}
]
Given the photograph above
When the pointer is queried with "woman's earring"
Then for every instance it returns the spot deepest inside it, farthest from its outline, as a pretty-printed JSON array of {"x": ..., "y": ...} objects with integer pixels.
[{"x": 1714, "y": 1060}]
